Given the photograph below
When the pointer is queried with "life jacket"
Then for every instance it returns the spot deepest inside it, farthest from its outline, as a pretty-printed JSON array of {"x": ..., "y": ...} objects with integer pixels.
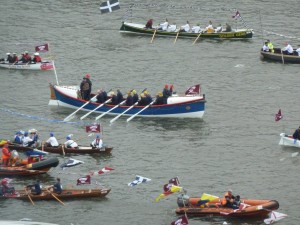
[
  {"x": 5, "y": 153},
  {"x": 224, "y": 200},
  {"x": 86, "y": 86}
]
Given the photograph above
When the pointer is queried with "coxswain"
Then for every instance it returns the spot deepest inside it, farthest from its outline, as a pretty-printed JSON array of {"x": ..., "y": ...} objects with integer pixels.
[
  {"x": 129, "y": 99},
  {"x": 149, "y": 24},
  {"x": 166, "y": 93},
  {"x": 5, "y": 153},
  {"x": 270, "y": 46},
  {"x": 97, "y": 142},
  {"x": 86, "y": 87},
  {"x": 37, "y": 58}
]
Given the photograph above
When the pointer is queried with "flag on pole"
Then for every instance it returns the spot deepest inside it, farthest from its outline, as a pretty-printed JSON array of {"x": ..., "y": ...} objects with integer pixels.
[
  {"x": 84, "y": 180},
  {"x": 183, "y": 220},
  {"x": 104, "y": 170},
  {"x": 172, "y": 189},
  {"x": 109, "y": 6},
  {"x": 206, "y": 198},
  {"x": 278, "y": 116},
  {"x": 193, "y": 90},
  {"x": 138, "y": 180},
  {"x": 94, "y": 128},
  {"x": 237, "y": 15},
  {"x": 42, "y": 48}
]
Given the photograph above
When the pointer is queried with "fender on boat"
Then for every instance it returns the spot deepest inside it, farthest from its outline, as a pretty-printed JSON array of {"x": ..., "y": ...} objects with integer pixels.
[{"x": 51, "y": 162}]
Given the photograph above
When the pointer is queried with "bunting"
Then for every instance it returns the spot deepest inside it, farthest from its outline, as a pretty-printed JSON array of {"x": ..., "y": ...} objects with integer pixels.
[
  {"x": 183, "y": 220},
  {"x": 84, "y": 180},
  {"x": 103, "y": 170}
]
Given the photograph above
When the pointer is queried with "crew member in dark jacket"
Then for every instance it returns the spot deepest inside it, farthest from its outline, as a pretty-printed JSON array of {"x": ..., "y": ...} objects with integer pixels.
[
  {"x": 149, "y": 24},
  {"x": 159, "y": 99},
  {"x": 129, "y": 99},
  {"x": 296, "y": 134},
  {"x": 166, "y": 93},
  {"x": 119, "y": 96},
  {"x": 86, "y": 87},
  {"x": 36, "y": 188},
  {"x": 135, "y": 96},
  {"x": 114, "y": 99}
]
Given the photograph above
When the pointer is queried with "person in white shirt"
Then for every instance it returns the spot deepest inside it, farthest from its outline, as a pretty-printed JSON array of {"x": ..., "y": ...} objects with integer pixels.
[
  {"x": 298, "y": 50},
  {"x": 27, "y": 141},
  {"x": 186, "y": 27},
  {"x": 52, "y": 142},
  {"x": 97, "y": 143},
  {"x": 70, "y": 143},
  {"x": 210, "y": 27},
  {"x": 265, "y": 48},
  {"x": 288, "y": 49},
  {"x": 172, "y": 28},
  {"x": 164, "y": 26},
  {"x": 196, "y": 29},
  {"x": 218, "y": 29}
]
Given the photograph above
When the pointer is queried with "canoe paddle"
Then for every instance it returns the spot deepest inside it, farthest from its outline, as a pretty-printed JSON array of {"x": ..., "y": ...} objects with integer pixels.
[{"x": 130, "y": 118}]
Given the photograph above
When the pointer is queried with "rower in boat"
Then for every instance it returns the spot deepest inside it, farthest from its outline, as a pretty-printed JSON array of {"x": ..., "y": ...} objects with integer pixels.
[
  {"x": 36, "y": 58},
  {"x": 135, "y": 96},
  {"x": 36, "y": 188},
  {"x": 129, "y": 99},
  {"x": 19, "y": 138},
  {"x": 159, "y": 99},
  {"x": 288, "y": 49},
  {"x": 56, "y": 188},
  {"x": 52, "y": 141},
  {"x": 164, "y": 25},
  {"x": 5, "y": 189},
  {"x": 15, "y": 58},
  {"x": 270, "y": 46},
  {"x": 149, "y": 24},
  {"x": 196, "y": 29},
  {"x": 70, "y": 143},
  {"x": 298, "y": 50},
  {"x": 186, "y": 27}
]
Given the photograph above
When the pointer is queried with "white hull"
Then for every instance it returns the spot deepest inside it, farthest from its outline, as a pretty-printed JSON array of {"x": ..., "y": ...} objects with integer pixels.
[
  {"x": 21, "y": 66},
  {"x": 288, "y": 140}
]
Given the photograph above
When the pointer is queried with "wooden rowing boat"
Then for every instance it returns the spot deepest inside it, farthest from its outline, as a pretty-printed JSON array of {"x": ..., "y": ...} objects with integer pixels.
[
  {"x": 66, "y": 194},
  {"x": 135, "y": 28},
  {"x": 277, "y": 56},
  {"x": 59, "y": 150}
]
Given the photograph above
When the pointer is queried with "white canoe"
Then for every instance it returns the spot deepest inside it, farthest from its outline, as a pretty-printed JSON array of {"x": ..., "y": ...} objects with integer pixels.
[
  {"x": 288, "y": 140},
  {"x": 23, "y": 222},
  {"x": 46, "y": 65}
]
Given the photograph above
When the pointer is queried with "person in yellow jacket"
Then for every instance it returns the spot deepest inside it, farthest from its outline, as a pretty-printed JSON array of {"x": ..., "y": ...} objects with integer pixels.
[{"x": 270, "y": 45}]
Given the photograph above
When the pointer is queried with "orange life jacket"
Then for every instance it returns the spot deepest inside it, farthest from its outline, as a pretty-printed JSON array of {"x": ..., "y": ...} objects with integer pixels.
[{"x": 5, "y": 153}]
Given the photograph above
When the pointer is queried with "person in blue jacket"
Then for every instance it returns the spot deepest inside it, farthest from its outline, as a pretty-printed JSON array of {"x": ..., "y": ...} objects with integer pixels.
[{"x": 36, "y": 188}]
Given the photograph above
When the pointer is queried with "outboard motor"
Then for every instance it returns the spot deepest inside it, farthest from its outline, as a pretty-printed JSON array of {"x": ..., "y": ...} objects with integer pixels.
[{"x": 183, "y": 200}]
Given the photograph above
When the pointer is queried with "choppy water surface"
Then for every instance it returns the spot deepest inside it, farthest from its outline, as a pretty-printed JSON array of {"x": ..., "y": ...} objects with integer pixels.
[{"x": 234, "y": 146}]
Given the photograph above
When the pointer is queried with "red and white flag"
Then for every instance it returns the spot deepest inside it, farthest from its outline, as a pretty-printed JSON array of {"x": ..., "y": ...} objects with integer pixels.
[
  {"x": 237, "y": 15},
  {"x": 47, "y": 66},
  {"x": 95, "y": 128},
  {"x": 193, "y": 90},
  {"x": 104, "y": 170},
  {"x": 278, "y": 116},
  {"x": 183, "y": 220},
  {"x": 84, "y": 180},
  {"x": 42, "y": 48}
]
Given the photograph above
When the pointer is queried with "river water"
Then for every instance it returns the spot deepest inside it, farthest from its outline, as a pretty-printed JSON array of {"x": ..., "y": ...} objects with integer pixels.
[{"x": 234, "y": 146}]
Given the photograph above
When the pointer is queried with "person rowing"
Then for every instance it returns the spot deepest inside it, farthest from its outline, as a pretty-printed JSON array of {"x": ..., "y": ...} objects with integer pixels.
[
  {"x": 70, "y": 143},
  {"x": 56, "y": 188},
  {"x": 52, "y": 141},
  {"x": 36, "y": 188}
]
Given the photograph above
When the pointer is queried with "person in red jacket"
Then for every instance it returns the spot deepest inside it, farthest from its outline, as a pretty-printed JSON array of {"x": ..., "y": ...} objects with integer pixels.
[
  {"x": 5, "y": 154},
  {"x": 37, "y": 58}
]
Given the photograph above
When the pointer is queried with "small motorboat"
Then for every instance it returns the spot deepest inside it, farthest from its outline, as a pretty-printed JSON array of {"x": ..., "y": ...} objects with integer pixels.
[
  {"x": 45, "y": 65},
  {"x": 288, "y": 140}
]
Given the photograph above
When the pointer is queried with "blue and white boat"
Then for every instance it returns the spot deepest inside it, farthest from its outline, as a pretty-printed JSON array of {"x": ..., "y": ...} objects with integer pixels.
[{"x": 178, "y": 106}]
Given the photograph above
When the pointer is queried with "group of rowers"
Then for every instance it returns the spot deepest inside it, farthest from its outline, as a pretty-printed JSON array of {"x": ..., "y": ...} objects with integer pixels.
[
  {"x": 165, "y": 26},
  {"x": 133, "y": 97},
  {"x": 24, "y": 58},
  {"x": 287, "y": 50},
  {"x": 34, "y": 189}
]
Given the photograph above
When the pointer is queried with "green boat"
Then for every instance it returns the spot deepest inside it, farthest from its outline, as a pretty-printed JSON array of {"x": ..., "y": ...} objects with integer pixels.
[{"x": 134, "y": 28}]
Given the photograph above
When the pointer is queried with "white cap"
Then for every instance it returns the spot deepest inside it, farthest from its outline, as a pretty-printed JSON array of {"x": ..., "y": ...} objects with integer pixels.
[
  {"x": 36, "y": 53},
  {"x": 8, "y": 53}
]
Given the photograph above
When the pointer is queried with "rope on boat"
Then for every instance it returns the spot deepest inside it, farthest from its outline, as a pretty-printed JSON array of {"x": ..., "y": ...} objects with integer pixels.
[{"x": 36, "y": 117}]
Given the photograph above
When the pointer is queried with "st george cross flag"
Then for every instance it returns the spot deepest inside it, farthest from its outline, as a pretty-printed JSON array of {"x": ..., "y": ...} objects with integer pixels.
[
  {"x": 183, "y": 220},
  {"x": 109, "y": 6},
  {"x": 71, "y": 162},
  {"x": 42, "y": 48},
  {"x": 278, "y": 116},
  {"x": 94, "y": 128},
  {"x": 193, "y": 90},
  {"x": 84, "y": 180},
  {"x": 138, "y": 180},
  {"x": 104, "y": 170},
  {"x": 237, "y": 15}
]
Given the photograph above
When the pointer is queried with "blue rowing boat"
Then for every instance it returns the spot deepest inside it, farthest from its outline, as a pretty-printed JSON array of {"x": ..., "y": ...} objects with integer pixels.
[{"x": 178, "y": 106}]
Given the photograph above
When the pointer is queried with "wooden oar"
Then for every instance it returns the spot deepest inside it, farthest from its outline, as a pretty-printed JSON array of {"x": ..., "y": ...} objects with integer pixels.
[
  {"x": 103, "y": 114},
  {"x": 63, "y": 149},
  {"x": 130, "y": 118},
  {"x": 29, "y": 196},
  {"x": 153, "y": 36},
  {"x": 55, "y": 197},
  {"x": 176, "y": 36},
  {"x": 118, "y": 116},
  {"x": 282, "y": 57},
  {"x": 95, "y": 109},
  {"x": 197, "y": 38},
  {"x": 69, "y": 117}
]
